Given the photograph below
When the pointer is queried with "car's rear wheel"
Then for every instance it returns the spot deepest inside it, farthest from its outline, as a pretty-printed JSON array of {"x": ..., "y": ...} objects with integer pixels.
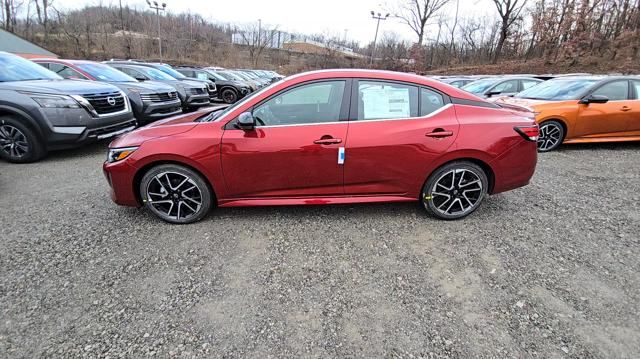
[
  {"x": 18, "y": 143},
  {"x": 455, "y": 190},
  {"x": 551, "y": 136},
  {"x": 175, "y": 193},
  {"x": 229, "y": 96}
]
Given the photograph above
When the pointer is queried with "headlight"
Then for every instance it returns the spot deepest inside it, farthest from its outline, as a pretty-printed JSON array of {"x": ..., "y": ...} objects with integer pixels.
[
  {"x": 56, "y": 102},
  {"x": 119, "y": 154}
]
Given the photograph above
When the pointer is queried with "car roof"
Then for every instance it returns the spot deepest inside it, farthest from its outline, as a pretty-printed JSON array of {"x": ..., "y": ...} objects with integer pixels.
[{"x": 384, "y": 75}]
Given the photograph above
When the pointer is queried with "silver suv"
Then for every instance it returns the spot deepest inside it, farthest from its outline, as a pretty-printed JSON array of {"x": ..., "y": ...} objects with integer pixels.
[{"x": 40, "y": 111}]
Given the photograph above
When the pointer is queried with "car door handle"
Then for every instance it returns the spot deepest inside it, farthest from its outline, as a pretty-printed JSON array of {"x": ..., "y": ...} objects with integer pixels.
[
  {"x": 328, "y": 141},
  {"x": 625, "y": 108},
  {"x": 439, "y": 133}
]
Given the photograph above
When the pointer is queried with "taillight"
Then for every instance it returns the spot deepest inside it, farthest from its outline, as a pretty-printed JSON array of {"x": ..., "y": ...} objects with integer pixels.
[{"x": 529, "y": 133}]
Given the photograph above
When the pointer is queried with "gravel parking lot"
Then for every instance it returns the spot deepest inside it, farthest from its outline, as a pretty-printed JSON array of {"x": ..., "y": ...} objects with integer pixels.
[{"x": 549, "y": 270}]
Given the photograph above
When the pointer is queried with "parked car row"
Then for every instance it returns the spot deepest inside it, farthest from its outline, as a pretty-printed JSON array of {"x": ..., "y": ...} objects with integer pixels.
[
  {"x": 65, "y": 103},
  {"x": 569, "y": 108}
]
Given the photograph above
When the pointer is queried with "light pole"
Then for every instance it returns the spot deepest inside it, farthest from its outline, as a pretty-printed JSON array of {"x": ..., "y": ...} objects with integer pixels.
[
  {"x": 378, "y": 17},
  {"x": 158, "y": 8}
]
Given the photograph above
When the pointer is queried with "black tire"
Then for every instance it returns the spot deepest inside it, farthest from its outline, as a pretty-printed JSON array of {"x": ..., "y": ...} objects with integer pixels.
[
  {"x": 229, "y": 95},
  {"x": 18, "y": 143},
  {"x": 551, "y": 136},
  {"x": 447, "y": 196},
  {"x": 179, "y": 203}
]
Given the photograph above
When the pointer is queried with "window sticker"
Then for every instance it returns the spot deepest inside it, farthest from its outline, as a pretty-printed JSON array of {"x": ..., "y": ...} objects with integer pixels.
[{"x": 386, "y": 102}]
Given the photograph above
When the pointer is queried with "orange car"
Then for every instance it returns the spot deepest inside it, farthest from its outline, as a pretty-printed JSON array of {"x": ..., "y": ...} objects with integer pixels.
[{"x": 583, "y": 109}]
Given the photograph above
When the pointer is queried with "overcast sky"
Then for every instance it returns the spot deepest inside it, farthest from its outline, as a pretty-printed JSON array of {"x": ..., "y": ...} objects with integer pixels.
[{"x": 329, "y": 17}]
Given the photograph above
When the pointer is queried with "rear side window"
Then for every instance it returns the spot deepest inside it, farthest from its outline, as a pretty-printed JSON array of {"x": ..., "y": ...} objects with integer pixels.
[
  {"x": 430, "y": 101},
  {"x": 384, "y": 100},
  {"x": 636, "y": 84},
  {"x": 615, "y": 91},
  {"x": 528, "y": 83}
]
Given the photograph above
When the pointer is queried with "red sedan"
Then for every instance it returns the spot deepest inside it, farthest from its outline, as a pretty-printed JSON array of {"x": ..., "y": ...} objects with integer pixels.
[{"x": 329, "y": 137}]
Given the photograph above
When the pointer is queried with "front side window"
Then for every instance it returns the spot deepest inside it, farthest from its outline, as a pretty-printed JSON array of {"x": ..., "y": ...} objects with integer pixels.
[
  {"x": 384, "y": 100},
  {"x": 133, "y": 73},
  {"x": 430, "y": 101},
  {"x": 202, "y": 76},
  {"x": 312, "y": 103},
  {"x": 614, "y": 91}
]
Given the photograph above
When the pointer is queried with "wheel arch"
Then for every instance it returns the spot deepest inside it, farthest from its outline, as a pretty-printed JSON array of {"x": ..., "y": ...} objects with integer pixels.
[
  {"x": 29, "y": 121},
  {"x": 482, "y": 163},
  {"x": 137, "y": 178},
  {"x": 560, "y": 120}
]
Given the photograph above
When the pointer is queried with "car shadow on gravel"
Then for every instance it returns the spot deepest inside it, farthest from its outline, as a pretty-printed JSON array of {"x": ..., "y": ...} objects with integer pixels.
[
  {"x": 84, "y": 151},
  {"x": 612, "y": 146}
]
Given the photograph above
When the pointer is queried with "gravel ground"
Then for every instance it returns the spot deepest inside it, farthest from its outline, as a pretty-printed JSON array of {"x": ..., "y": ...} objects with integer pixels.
[{"x": 550, "y": 270}]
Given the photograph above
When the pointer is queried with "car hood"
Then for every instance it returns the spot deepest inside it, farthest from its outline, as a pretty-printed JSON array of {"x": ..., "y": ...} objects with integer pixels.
[
  {"x": 60, "y": 87},
  {"x": 147, "y": 85},
  {"x": 168, "y": 127}
]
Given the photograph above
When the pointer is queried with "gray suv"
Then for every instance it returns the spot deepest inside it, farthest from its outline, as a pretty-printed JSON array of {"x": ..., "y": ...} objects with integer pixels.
[{"x": 41, "y": 111}]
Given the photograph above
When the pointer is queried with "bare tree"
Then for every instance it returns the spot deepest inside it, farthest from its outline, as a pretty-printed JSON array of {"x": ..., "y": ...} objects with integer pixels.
[
  {"x": 256, "y": 39},
  {"x": 416, "y": 14},
  {"x": 509, "y": 11}
]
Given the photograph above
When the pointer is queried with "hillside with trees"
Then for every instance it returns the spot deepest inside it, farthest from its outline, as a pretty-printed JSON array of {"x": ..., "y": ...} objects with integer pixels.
[{"x": 523, "y": 36}]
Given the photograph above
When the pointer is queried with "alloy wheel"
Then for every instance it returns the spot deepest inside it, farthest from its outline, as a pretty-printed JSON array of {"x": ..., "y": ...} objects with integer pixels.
[
  {"x": 13, "y": 141},
  {"x": 457, "y": 192},
  {"x": 174, "y": 196},
  {"x": 550, "y": 136}
]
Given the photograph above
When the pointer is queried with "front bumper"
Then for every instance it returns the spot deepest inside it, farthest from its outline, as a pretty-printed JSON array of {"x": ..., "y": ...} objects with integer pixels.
[
  {"x": 152, "y": 111},
  {"x": 195, "y": 101},
  {"x": 120, "y": 176},
  {"x": 67, "y": 128}
]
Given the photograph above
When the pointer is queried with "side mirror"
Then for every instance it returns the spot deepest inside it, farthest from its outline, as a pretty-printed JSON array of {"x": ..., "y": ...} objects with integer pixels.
[
  {"x": 246, "y": 121},
  {"x": 493, "y": 93},
  {"x": 140, "y": 78},
  {"x": 594, "y": 99}
]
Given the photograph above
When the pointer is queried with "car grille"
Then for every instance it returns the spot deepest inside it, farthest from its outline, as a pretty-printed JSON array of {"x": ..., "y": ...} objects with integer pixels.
[
  {"x": 106, "y": 102},
  {"x": 196, "y": 90},
  {"x": 159, "y": 96}
]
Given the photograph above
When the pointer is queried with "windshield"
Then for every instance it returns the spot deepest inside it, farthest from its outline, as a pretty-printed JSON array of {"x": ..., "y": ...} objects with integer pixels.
[
  {"x": 241, "y": 76},
  {"x": 558, "y": 89},
  {"x": 155, "y": 74},
  {"x": 171, "y": 72},
  {"x": 480, "y": 86},
  {"x": 105, "y": 73},
  {"x": 14, "y": 68}
]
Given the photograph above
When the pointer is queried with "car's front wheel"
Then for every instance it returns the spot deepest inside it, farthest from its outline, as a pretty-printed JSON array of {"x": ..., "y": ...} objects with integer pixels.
[
  {"x": 18, "y": 143},
  {"x": 175, "y": 193},
  {"x": 229, "y": 96},
  {"x": 455, "y": 190}
]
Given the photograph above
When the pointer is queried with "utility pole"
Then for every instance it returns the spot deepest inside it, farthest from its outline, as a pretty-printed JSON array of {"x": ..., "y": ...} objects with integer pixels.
[
  {"x": 377, "y": 17},
  {"x": 158, "y": 8}
]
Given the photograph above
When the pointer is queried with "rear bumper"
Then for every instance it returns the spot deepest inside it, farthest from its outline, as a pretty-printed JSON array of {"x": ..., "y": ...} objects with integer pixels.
[{"x": 515, "y": 167}]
